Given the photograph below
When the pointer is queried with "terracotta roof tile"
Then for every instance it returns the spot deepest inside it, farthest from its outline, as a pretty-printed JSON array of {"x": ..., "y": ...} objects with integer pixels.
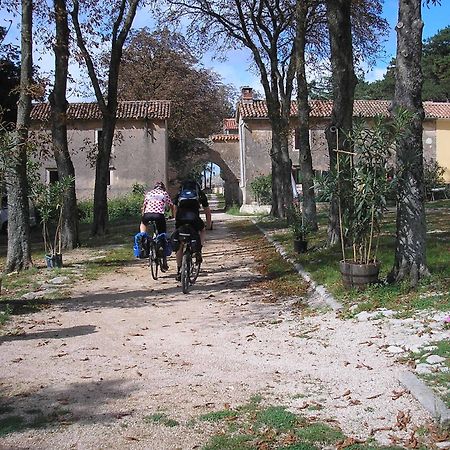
[
  {"x": 152, "y": 109},
  {"x": 363, "y": 108},
  {"x": 225, "y": 137},
  {"x": 230, "y": 124}
]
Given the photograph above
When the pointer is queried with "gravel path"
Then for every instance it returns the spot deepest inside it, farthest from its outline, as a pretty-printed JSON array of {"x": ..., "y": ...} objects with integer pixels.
[{"x": 124, "y": 347}]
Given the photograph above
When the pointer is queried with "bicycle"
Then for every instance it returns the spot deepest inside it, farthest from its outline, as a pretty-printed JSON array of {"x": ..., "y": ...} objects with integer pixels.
[
  {"x": 190, "y": 266},
  {"x": 155, "y": 252}
]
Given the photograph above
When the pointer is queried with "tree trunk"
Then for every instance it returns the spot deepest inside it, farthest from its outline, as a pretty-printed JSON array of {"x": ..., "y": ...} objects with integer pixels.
[
  {"x": 344, "y": 82},
  {"x": 282, "y": 195},
  {"x": 19, "y": 250},
  {"x": 410, "y": 250},
  {"x": 58, "y": 104},
  {"x": 305, "y": 158},
  {"x": 100, "y": 222}
]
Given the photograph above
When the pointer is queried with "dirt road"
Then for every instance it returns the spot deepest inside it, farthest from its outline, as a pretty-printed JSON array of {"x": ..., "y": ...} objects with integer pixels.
[{"x": 124, "y": 347}]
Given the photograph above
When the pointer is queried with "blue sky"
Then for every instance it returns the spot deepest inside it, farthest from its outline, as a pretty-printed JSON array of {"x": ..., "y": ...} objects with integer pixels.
[{"x": 236, "y": 70}]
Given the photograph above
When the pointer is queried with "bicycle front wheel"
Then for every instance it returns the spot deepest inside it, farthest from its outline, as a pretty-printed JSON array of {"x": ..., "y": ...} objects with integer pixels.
[
  {"x": 153, "y": 260},
  {"x": 186, "y": 264}
]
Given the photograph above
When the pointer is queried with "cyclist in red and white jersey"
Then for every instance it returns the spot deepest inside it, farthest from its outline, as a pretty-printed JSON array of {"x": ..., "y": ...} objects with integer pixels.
[{"x": 155, "y": 203}]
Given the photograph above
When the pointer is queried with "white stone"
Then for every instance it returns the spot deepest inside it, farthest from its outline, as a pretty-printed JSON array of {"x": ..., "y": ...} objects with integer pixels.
[
  {"x": 435, "y": 359},
  {"x": 363, "y": 316},
  {"x": 59, "y": 280},
  {"x": 424, "y": 368},
  {"x": 444, "y": 369},
  {"x": 394, "y": 349},
  {"x": 353, "y": 308},
  {"x": 430, "y": 348},
  {"x": 34, "y": 295},
  {"x": 442, "y": 445}
]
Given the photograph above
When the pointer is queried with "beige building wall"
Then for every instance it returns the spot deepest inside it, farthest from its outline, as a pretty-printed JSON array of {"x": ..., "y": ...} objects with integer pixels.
[
  {"x": 443, "y": 146},
  {"x": 139, "y": 155}
]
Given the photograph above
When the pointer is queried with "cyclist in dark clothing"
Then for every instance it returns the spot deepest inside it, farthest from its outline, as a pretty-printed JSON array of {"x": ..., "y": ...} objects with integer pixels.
[{"x": 188, "y": 201}]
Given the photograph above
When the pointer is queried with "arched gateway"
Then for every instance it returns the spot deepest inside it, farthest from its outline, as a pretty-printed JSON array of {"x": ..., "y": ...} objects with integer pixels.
[{"x": 220, "y": 149}]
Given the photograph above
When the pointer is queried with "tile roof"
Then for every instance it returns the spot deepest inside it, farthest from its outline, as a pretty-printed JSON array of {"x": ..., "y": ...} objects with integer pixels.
[
  {"x": 230, "y": 124},
  {"x": 151, "y": 109},
  {"x": 225, "y": 137},
  {"x": 322, "y": 108}
]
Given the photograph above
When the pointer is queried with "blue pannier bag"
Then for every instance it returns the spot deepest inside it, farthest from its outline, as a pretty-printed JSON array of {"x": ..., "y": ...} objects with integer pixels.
[
  {"x": 141, "y": 245},
  {"x": 164, "y": 243}
]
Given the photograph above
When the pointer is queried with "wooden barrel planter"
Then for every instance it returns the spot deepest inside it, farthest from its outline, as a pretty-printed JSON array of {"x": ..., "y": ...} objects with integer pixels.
[
  {"x": 300, "y": 246},
  {"x": 359, "y": 275}
]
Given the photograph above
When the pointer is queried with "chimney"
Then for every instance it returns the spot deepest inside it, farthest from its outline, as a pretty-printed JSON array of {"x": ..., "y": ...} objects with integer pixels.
[{"x": 247, "y": 94}]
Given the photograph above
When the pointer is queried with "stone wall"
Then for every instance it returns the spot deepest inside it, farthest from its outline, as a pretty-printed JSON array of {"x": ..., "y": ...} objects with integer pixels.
[{"x": 139, "y": 155}]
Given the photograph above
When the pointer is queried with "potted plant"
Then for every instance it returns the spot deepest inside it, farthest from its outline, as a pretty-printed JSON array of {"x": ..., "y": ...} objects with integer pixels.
[
  {"x": 298, "y": 228},
  {"x": 49, "y": 200},
  {"x": 363, "y": 184}
]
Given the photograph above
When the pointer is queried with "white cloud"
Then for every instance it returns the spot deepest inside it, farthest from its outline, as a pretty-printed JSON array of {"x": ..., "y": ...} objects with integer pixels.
[{"x": 377, "y": 73}]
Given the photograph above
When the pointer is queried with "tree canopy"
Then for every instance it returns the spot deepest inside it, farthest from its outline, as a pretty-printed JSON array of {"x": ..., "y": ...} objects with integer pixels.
[
  {"x": 435, "y": 69},
  {"x": 160, "y": 65},
  {"x": 9, "y": 80}
]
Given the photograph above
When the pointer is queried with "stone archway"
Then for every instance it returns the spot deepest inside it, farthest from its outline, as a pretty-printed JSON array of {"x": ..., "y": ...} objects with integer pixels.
[{"x": 219, "y": 150}]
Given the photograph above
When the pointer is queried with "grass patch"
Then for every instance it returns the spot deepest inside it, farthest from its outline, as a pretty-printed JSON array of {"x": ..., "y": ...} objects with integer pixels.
[
  {"x": 322, "y": 263},
  {"x": 162, "y": 419},
  {"x": 14, "y": 424},
  {"x": 279, "y": 275},
  {"x": 100, "y": 256},
  {"x": 217, "y": 416},
  {"x": 438, "y": 381},
  {"x": 256, "y": 427}
]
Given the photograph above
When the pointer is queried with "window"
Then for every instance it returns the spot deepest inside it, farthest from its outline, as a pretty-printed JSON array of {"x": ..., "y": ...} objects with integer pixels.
[{"x": 52, "y": 176}]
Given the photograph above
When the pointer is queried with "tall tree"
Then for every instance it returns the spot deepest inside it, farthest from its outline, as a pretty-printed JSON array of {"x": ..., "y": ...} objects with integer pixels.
[
  {"x": 161, "y": 65},
  {"x": 9, "y": 80},
  {"x": 58, "y": 105},
  {"x": 410, "y": 249},
  {"x": 265, "y": 28},
  {"x": 123, "y": 15},
  {"x": 305, "y": 158},
  {"x": 19, "y": 248},
  {"x": 344, "y": 82}
]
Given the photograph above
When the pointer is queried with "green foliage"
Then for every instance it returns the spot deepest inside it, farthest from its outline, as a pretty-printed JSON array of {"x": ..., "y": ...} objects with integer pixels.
[
  {"x": 296, "y": 222},
  {"x": 363, "y": 181},
  {"x": 433, "y": 176},
  {"x": 119, "y": 208},
  {"x": 320, "y": 433},
  {"x": 218, "y": 415},
  {"x": 261, "y": 188},
  {"x": 276, "y": 417},
  {"x": 49, "y": 200},
  {"x": 162, "y": 419},
  {"x": 435, "y": 69},
  {"x": 138, "y": 189}
]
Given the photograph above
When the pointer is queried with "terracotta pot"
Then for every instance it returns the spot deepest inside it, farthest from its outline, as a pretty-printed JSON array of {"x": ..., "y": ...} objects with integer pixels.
[
  {"x": 359, "y": 275},
  {"x": 300, "y": 246}
]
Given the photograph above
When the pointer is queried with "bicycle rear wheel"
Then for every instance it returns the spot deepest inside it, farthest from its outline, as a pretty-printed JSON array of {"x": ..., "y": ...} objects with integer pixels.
[
  {"x": 186, "y": 264},
  {"x": 195, "y": 270},
  {"x": 153, "y": 260}
]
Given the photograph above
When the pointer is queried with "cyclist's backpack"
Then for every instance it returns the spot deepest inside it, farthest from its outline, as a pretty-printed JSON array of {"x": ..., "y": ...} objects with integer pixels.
[
  {"x": 141, "y": 245},
  {"x": 189, "y": 196},
  {"x": 164, "y": 243}
]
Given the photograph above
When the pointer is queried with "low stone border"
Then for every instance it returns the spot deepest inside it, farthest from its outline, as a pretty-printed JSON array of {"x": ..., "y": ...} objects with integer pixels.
[
  {"x": 426, "y": 397},
  {"x": 317, "y": 288}
]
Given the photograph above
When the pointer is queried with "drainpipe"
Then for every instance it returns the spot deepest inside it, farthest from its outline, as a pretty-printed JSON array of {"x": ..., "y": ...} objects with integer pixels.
[{"x": 243, "y": 180}]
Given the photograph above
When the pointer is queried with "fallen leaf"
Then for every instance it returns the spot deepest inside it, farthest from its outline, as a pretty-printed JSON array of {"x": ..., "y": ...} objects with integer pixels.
[
  {"x": 354, "y": 402},
  {"x": 403, "y": 419},
  {"x": 374, "y": 396}
]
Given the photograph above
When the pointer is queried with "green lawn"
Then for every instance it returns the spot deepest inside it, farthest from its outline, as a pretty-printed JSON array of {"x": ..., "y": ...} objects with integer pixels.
[{"x": 322, "y": 263}]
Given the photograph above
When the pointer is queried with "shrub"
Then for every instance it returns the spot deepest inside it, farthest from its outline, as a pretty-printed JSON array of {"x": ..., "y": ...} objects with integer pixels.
[
  {"x": 119, "y": 208},
  {"x": 261, "y": 188},
  {"x": 433, "y": 176}
]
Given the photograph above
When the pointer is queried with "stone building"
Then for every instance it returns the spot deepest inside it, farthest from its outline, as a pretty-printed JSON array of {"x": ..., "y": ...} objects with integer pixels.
[
  {"x": 255, "y": 135},
  {"x": 140, "y": 148}
]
